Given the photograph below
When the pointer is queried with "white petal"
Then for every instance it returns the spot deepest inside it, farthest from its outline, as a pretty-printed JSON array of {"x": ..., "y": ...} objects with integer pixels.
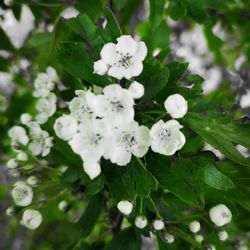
[
  {"x": 92, "y": 169},
  {"x": 134, "y": 70},
  {"x": 158, "y": 224},
  {"x": 141, "y": 51},
  {"x": 109, "y": 54},
  {"x": 136, "y": 89},
  {"x": 120, "y": 156},
  {"x": 99, "y": 105},
  {"x": 31, "y": 219},
  {"x": 141, "y": 221},
  {"x": 126, "y": 44},
  {"x": 35, "y": 147},
  {"x": 116, "y": 72},
  {"x": 125, "y": 207},
  {"x": 180, "y": 141},
  {"x": 100, "y": 67}
]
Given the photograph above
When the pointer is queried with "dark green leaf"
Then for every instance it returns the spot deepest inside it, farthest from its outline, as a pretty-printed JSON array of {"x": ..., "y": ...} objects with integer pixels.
[{"x": 177, "y": 10}]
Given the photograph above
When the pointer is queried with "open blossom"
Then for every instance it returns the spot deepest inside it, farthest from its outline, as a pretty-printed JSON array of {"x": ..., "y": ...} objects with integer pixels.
[
  {"x": 90, "y": 143},
  {"x": 65, "y": 127},
  {"x": 132, "y": 139},
  {"x": 176, "y": 106},
  {"x": 220, "y": 215},
  {"x": 22, "y": 193},
  {"x": 31, "y": 219},
  {"x": 46, "y": 107},
  {"x": 125, "y": 207},
  {"x": 123, "y": 60},
  {"x": 115, "y": 105},
  {"x": 81, "y": 106},
  {"x": 18, "y": 135},
  {"x": 45, "y": 83},
  {"x": 167, "y": 137}
]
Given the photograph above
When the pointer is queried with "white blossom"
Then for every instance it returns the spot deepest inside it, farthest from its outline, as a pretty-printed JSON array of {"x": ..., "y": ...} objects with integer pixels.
[
  {"x": 31, "y": 219},
  {"x": 22, "y": 156},
  {"x": 220, "y": 215},
  {"x": 46, "y": 107},
  {"x": 199, "y": 238},
  {"x": 169, "y": 238},
  {"x": 195, "y": 226},
  {"x": 115, "y": 105},
  {"x": 100, "y": 67},
  {"x": 167, "y": 137},
  {"x": 132, "y": 139},
  {"x": 12, "y": 163},
  {"x": 22, "y": 193},
  {"x": 18, "y": 135},
  {"x": 25, "y": 118},
  {"x": 176, "y": 106},
  {"x": 123, "y": 59},
  {"x": 65, "y": 127},
  {"x": 125, "y": 207},
  {"x": 62, "y": 205},
  {"x": 222, "y": 235},
  {"x": 141, "y": 222},
  {"x": 32, "y": 180},
  {"x": 10, "y": 211},
  {"x": 136, "y": 89},
  {"x": 45, "y": 83},
  {"x": 158, "y": 224},
  {"x": 81, "y": 106}
]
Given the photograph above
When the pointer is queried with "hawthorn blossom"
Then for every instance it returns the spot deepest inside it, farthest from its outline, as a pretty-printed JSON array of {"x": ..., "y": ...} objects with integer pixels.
[
  {"x": 12, "y": 163},
  {"x": 81, "y": 106},
  {"x": 222, "y": 235},
  {"x": 18, "y": 136},
  {"x": 176, "y": 106},
  {"x": 132, "y": 139},
  {"x": 125, "y": 207},
  {"x": 22, "y": 193},
  {"x": 46, "y": 107},
  {"x": 220, "y": 215},
  {"x": 25, "y": 118},
  {"x": 167, "y": 137},
  {"x": 158, "y": 224},
  {"x": 122, "y": 60},
  {"x": 141, "y": 222},
  {"x": 136, "y": 89},
  {"x": 169, "y": 238},
  {"x": 22, "y": 156},
  {"x": 195, "y": 226},
  {"x": 31, "y": 219},
  {"x": 65, "y": 127},
  {"x": 115, "y": 105},
  {"x": 45, "y": 83}
]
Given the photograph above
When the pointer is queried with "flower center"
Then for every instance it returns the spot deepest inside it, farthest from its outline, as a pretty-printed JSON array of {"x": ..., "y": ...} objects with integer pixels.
[
  {"x": 95, "y": 139},
  {"x": 125, "y": 60},
  {"x": 165, "y": 134},
  {"x": 116, "y": 106},
  {"x": 128, "y": 140},
  {"x": 224, "y": 215}
]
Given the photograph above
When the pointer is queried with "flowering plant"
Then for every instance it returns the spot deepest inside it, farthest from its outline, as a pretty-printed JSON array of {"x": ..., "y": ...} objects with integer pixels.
[{"x": 117, "y": 140}]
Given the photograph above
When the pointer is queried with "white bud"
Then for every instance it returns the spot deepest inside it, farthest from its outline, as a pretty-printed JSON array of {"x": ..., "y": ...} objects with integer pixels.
[
  {"x": 32, "y": 180},
  {"x": 125, "y": 207},
  {"x": 22, "y": 156},
  {"x": 22, "y": 194},
  {"x": 12, "y": 163},
  {"x": 222, "y": 235},
  {"x": 199, "y": 238},
  {"x": 136, "y": 89},
  {"x": 211, "y": 247},
  {"x": 62, "y": 205},
  {"x": 158, "y": 224},
  {"x": 100, "y": 67},
  {"x": 220, "y": 215},
  {"x": 169, "y": 238},
  {"x": 25, "y": 118},
  {"x": 141, "y": 221},
  {"x": 176, "y": 106},
  {"x": 195, "y": 226},
  {"x": 62, "y": 169},
  {"x": 31, "y": 219},
  {"x": 10, "y": 211}
]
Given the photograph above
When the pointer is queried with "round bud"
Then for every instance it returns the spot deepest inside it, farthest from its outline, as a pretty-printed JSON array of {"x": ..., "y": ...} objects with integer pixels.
[
  {"x": 158, "y": 224},
  {"x": 100, "y": 67},
  {"x": 220, "y": 215},
  {"x": 169, "y": 238},
  {"x": 195, "y": 226},
  {"x": 141, "y": 221},
  {"x": 125, "y": 207},
  {"x": 136, "y": 89},
  {"x": 222, "y": 235}
]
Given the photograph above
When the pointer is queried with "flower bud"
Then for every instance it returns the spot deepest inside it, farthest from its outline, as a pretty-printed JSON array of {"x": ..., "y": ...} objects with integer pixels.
[
  {"x": 22, "y": 156},
  {"x": 100, "y": 67},
  {"x": 222, "y": 235},
  {"x": 136, "y": 89},
  {"x": 141, "y": 221},
  {"x": 12, "y": 163},
  {"x": 32, "y": 180},
  {"x": 220, "y": 215},
  {"x": 199, "y": 238},
  {"x": 22, "y": 194},
  {"x": 195, "y": 226},
  {"x": 25, "y": 118},
  {"x": 158, "y": 224},
  {"x": 10, "y": 211},
  {"x": 125, "y": 207},
  {"x": 31, "y": 219},
  {"x": 169, "y": 238}
]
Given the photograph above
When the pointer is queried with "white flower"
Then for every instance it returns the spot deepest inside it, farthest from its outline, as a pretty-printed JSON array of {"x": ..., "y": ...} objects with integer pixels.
[
  {"x": 125, "y": 207},
  {"x": 31, "y": 219},
  {"x": 116, "y": 105},
  {"x": 158, "y": 224},
  {"x": 81, "y": 106},
  {"x": 211, "y": 247},
  {"x": 220, "y": 215},
  {"x": 25, "y": 118},
  {"x": 12, "y": 163},
  {"x": 46, "y": 107},
  {"x": 223, "y": 235},
  {"x": 40, "y": 143},
  {"x": 195, "y": 226},
  {"x": 90, "y": 143},
  {"x": 65, "y": 127},
  {"x": 124, "y": 59},
  {"x": 45, "y": 83},
  {"x": 18, "y": 135},
  {"x": 243, "y": 248},
  {"x": 141, "y": 222},
  {"x": 176, "y": 106},
  {"x": 199, "y": 238},
  {"x": 22, "y": 156},
  {"x": 10, "y": 211},
  {"x": 100, "y": 67},
  {"x": 22, "y": 193},
  {"x": 32, "y": 180},
  {"x": 167, "y": 137},
  {"x": 62, "y": 205},
  {"x": 136, "y": 89},
  {"x": 133, "y": 139},
  {"x": 169, "y": 237}
]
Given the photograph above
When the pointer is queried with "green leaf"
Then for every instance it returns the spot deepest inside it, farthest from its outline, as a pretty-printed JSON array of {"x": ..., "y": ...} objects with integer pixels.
[
  {"x": 128, "y": 239},
  {"x": 213, "y": 132},
  {"x": 5, "y": 41},
  {"x": 154, "y": 78},
  {"x": 156, "y": 12},
  {"x": 78, "y": 61},
  {"x": 177, "y": 10},
  {"x": 90, "y": 216}
]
